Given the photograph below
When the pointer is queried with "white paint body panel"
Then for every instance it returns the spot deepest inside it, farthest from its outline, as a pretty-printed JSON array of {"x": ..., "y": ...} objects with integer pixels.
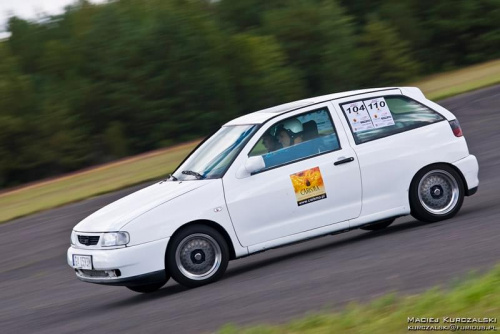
[
  {"x": 193, "y": 206},
  {"x": 115, "y": 215},
  {"x": 260, "y": 211},
  {"x": 131, "y": 261},
  {"x": 309, "y": 234},
  {"x": 470, "y": 170}
]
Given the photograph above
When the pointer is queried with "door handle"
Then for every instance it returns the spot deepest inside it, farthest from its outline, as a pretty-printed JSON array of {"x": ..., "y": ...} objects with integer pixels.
[{"x": 343, "y": 161}]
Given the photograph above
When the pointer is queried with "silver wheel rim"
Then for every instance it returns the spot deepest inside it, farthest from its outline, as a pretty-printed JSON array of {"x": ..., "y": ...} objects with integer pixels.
[
  {"x": 198, "y": 256},
  {"x": 438, "y": 192}
]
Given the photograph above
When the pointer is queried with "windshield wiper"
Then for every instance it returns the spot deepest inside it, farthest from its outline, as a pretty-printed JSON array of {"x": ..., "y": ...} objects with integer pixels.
[
  {"x": 196, "y": 174},
  {"x": 170, "y": 176}
]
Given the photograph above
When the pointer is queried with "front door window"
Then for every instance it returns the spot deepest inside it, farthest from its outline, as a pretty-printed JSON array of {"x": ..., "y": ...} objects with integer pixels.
[{"x": 296, "y": 138}]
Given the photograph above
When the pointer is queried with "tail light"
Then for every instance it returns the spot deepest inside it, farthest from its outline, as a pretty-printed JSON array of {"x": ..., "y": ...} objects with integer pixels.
[{"x": 455, "y": 127}]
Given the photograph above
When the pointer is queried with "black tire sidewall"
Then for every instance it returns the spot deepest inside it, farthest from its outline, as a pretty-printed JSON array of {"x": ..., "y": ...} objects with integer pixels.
[
  {"x": 171, "y": 264},
  {"x": 147, "y": 288},
  {"x": 417, "y": 209},
  {"x": 379, "y": 225}
]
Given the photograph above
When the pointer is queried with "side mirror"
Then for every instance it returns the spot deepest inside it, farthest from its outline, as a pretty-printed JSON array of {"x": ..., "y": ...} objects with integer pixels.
[{"x": 252, "y": 165}]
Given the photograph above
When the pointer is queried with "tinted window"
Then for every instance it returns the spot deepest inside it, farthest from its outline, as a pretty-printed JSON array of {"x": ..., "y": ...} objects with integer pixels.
[
  {"x": 380, "y": 117},
  {"x": 296, "y": 138}
]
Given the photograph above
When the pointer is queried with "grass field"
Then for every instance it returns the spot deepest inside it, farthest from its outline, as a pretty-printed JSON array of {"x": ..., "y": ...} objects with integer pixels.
[
  {"x": 447, "y": 84},
  {"x": 52, "y": 193},
  {"x": 95, "y": 181},
  {"x": 473, "y": 297}
]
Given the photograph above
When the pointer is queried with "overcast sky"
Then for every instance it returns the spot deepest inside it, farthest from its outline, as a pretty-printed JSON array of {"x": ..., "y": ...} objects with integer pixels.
[{"x": 29, "y": 9}]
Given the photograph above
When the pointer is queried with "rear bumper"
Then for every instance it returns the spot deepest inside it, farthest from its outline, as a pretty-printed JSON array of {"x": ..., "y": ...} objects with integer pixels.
[
  {"x": 469, "y": 168},
  {"x": 471, "y": 192},
  {"x": 136, "y": 265}
]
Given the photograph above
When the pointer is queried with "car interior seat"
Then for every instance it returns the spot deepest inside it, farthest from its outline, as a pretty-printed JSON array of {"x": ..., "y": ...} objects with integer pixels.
[{"x": 310, "y": 130}]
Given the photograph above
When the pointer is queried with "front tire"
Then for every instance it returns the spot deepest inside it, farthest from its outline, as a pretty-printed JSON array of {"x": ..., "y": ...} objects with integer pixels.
[
  {"x": 147, "y": 288},
  {"x": 197, "y": 255},
  {"x": 436, "y": 193}
]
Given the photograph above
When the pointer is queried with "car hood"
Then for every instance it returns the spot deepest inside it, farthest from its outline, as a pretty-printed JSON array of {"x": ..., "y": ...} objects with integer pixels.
[{"x": 115, "y": 215}]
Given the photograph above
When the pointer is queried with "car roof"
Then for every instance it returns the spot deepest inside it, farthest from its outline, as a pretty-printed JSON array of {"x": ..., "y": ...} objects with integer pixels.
[{"x": 263, "y": 115}]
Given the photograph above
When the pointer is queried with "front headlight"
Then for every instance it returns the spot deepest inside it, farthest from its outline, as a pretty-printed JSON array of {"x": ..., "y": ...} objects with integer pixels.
[
  {"x": 74, "y": 238},
  {"x": 115, "y": 239}
]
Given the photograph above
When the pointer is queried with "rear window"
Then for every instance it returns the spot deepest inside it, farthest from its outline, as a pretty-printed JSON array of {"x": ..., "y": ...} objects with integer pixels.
[{"x": 379, "y": 117}]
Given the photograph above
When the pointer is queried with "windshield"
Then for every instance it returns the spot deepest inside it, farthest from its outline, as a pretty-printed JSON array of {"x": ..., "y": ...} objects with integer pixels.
[{"x": 213, "y": 158}]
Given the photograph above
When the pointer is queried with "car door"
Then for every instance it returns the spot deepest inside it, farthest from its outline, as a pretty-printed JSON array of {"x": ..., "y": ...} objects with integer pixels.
[{"x": 305, "y": 186}]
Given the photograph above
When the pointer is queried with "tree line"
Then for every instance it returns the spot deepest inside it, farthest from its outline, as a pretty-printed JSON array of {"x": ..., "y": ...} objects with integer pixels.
[{"x": 100, "y": 82}]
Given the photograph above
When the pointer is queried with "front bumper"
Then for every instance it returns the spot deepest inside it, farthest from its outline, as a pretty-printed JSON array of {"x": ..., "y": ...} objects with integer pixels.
[
  {"x": 135, "y": 265},
  {"x": 469, "y": 168}
]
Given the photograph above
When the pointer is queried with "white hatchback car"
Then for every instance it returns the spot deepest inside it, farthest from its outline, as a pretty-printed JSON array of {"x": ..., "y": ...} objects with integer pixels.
[{"x": 293, "y": 172}]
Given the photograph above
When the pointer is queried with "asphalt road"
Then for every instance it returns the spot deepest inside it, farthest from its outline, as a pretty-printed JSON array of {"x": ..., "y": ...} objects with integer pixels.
[{"x": 40, "y": 293}]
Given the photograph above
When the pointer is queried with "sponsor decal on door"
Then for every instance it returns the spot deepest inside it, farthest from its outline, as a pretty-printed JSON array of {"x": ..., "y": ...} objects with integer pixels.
[{"x": 308, "y": 186}]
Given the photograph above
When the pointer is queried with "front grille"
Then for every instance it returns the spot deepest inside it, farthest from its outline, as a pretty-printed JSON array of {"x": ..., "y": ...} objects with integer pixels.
[
  {"x": 93, "y": 273},
  {"x": 88, "y": 240}
]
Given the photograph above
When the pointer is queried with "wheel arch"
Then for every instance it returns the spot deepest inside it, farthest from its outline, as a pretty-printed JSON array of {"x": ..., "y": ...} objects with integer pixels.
[
  {"x": 215, "y": 226},
  {"x": 455, "y": 168}
]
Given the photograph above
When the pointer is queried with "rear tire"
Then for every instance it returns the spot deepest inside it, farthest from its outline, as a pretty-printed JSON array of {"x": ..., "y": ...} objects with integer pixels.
[
  {"x": 197, "y": 255},
  {"x": 436, "y": 193},
  {"x": 379, "y": 225}
]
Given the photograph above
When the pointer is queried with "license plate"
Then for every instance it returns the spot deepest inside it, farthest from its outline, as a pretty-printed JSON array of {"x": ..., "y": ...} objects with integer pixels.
[{"x": 82, "y": 262}]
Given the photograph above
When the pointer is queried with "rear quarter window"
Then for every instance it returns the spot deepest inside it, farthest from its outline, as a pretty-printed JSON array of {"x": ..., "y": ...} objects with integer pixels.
[{"x": 399, "y": 114}]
